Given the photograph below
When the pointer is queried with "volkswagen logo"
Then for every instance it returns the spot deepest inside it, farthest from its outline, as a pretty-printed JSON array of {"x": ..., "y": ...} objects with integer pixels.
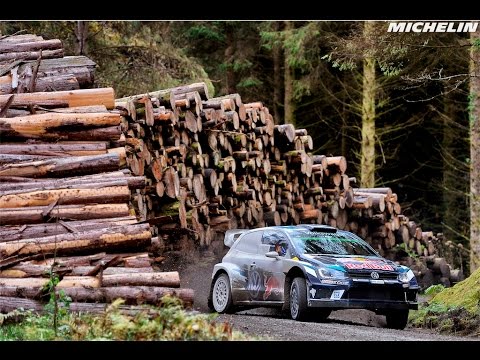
[{"x": 374, "y": 275}]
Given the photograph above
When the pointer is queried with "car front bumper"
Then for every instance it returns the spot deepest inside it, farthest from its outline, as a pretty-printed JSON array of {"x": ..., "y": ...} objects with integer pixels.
[
  {"x": 362, "y": 304},
  {"x": 363, "y": 295}
]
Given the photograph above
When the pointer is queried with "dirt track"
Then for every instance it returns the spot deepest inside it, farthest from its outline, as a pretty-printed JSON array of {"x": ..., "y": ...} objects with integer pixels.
[{"x": 359, "y": 325}]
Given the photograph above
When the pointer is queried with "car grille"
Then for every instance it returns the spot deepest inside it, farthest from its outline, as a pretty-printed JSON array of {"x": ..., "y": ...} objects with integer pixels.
[
  {"x": 367, "y": 275},
  {"x": 375, "y": 293}
]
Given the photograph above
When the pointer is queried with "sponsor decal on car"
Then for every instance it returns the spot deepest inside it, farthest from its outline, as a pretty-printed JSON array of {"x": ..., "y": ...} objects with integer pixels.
[
  {"x": 334, "y": 282},
  {"x": 372, "y": 265},
  {"x": 272, "y": 285},
  {"x": 254, "y": 283}
]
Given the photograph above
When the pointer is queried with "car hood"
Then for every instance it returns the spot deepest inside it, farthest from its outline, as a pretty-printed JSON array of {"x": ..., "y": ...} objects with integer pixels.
[{"x": 352, "y": 263}]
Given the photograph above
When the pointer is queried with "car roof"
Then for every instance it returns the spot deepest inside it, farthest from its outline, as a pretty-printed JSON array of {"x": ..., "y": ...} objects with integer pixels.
[
  {"x": 231, "y": 236},
  {"x": 290, "y": 228}
]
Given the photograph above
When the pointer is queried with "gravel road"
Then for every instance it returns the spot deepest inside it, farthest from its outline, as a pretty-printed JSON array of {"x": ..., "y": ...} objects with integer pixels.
[
  {"x": 271, "y": 324},
  {"x": 345, "y": 325}
]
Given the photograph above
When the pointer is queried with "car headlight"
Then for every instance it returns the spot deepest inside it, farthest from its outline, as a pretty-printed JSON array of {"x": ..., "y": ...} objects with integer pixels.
[
  {"x": 406, "y": 276},
  {"x": 331, "y": 273}
]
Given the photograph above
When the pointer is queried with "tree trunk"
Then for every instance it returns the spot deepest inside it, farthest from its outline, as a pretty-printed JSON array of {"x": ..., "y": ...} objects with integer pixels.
[
  {"x": 167, "y": 279},
  {"x": 19, "y": 232},
  {"x": 367, "y": 162},
  {"x": 455, "y": 183},
  {"x": 100, "y": 192},
  {"x": 81, "y": 36},
  {"x": 35, "y": 215},
  {"x": 277, "y": 77},
  {"x": 58, "y": 167},
  {"x": 133, "y": 295},
  {"x": 82, "y": 97},
  {"x": 54, "y": 44},
  {"x": 127, "y": 235},
  {"x": 289, "y": 78},
  {"x": 56, "y": 150},
  {"x": 230, "y": 58},
  {"x": 31, "y": 55},
  {"x": 53, "y": 125},
  {"x": 475, "y": 153},
  {"x": 8, "y": 304}
]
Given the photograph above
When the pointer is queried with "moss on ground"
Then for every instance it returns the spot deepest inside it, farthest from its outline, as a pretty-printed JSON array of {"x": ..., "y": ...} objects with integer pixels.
[
  {"x": 454, "y": 310},
  {"x": 465, "y": 294}
]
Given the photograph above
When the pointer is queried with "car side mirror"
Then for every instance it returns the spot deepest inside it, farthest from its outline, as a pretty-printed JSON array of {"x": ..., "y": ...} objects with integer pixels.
[{"x": 272, "y": 254}]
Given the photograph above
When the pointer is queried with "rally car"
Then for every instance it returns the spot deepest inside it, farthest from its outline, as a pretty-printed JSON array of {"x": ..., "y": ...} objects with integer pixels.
[{"x": 310, "y": 270}]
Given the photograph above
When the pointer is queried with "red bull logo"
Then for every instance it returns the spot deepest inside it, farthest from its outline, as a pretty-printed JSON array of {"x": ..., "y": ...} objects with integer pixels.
[
  {"x": 271, "y": 285},
  {"x": 370, "y": 265}
]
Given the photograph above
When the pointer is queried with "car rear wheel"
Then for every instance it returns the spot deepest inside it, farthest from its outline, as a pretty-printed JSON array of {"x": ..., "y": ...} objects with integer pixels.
[
  {"x": 298, "y": 299},
  {"x": 397, "y": 319},
  {"x": 221, "y": 295}
]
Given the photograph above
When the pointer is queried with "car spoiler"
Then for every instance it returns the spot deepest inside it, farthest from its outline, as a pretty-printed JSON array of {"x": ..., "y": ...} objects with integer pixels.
[{"x": 232, "y": 235}]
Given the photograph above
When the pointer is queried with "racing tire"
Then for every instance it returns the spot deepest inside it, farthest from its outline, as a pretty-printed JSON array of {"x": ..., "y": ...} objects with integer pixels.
[
  {"x": 221, "y": 295},
  {"x": 397, "y": 319},
  {"x": 298, "y": 299}
]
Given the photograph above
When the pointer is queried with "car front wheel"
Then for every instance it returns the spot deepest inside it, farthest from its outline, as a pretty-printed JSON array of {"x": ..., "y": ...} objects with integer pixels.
[
  {"x": 298, "y": 299},
  {"x": 221, "y": 296},
  {"x": 397, "y": 319}
]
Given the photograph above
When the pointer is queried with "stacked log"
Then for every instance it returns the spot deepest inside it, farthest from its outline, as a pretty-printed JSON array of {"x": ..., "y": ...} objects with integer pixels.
[
  {"x": 212, "y": 164},
  {"x": 65, "y": 191},
  {"x": 71, "y": 198},
  {"x": 98, "y": 278},
  {"x": 30, "y": 63}
]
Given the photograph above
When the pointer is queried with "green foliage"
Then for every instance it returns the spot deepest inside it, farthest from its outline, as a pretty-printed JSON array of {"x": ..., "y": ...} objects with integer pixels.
[
  {"x": 389, "y": 53},
  {"x": 476, "y": 43},
  {"x": 168, "y": 321},
  {"x": 409, "y": 251},
  {"x": 296, "y": 46},
  {"x": 241, "y": 65},
  {"x": 203, "y": 32},
  {"x": 455, "y": 309},
  {"x": 434, "y": 290},
  {"x": 270, "y": 39},
  {"x": 301, "y": 50},
  {"x": 132, "y": 56},
  {"x": 249, "y": 82},
  {"x": 445, "y": 319}
]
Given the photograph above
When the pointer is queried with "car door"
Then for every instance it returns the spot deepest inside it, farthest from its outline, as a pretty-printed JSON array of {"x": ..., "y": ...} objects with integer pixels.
[
  {"x": 248, "y": 286},
  {"x": 272, "y": 269}
]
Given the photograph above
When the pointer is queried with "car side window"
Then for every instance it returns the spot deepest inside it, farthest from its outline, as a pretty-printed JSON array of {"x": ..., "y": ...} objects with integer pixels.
[
  {"x": 276, "y": 240},
  {"x": 249, "y": 242}
]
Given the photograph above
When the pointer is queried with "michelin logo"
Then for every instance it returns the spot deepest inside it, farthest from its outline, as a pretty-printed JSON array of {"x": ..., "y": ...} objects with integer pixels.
[{"x": 434, "y": 26}]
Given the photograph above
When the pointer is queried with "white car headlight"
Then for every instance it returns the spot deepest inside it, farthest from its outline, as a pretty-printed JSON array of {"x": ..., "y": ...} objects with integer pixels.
[
  {"x": 406, "y": 276},
  {"x": 331, "y": 273}
]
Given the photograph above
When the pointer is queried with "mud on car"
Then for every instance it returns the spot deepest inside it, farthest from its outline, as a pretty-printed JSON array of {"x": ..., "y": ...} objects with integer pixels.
[{"x": 309, "y": 271}]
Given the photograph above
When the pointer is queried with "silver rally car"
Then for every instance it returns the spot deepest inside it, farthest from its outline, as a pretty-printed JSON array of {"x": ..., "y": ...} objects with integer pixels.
[{"x": 310, "y": 270}]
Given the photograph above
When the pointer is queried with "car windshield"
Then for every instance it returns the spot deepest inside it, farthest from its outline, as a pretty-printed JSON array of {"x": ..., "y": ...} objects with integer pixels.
[{"x": 315, "y": 242}]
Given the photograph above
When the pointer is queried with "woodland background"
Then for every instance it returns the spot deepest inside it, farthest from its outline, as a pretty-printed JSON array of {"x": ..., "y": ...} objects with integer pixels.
[{"x": 396, "y": 105}]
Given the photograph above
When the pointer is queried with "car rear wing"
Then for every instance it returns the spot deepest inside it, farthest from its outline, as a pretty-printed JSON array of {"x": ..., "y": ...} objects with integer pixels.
[{"x": 232, "y": 235}]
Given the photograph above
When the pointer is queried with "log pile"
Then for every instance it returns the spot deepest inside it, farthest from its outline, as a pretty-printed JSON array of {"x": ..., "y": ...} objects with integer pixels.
[
  {"x": 217, "y": 163},
  {"x": 196, "y": 166},
  {"x": 65, "y": 192},
  {"x": 91, "y": 281},
  {"x": 30, "y": 63}
]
